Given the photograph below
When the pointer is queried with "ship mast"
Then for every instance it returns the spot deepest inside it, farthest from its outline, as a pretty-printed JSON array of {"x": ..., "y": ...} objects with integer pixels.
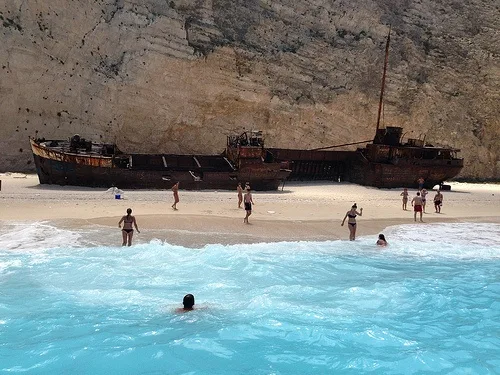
[{"x": 383, "y": 78}]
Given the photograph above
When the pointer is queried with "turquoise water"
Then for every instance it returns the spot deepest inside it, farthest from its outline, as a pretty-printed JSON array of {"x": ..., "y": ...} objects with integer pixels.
[{"x": 429, "y": 302}]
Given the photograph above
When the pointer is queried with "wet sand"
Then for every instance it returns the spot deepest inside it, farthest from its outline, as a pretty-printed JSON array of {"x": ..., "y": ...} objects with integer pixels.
[{"x": 301, "y": 212}]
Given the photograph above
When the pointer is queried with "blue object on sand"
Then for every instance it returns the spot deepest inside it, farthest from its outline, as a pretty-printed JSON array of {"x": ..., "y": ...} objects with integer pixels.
[{"x": 118, "y": 196}]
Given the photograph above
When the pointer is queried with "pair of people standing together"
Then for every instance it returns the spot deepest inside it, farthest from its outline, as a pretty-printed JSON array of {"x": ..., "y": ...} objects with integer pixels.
[{"x": 351, "y": 223}]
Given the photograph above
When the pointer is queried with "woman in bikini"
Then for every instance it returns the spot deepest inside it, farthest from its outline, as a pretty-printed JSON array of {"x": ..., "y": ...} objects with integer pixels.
[
  {"x": 128, "y": 231},
  {"x": 175, "y": 189},
  {"x": 423, "y": 194},
  {"x": 351, "y": 223},
  {"x": 381, "y": 240},
  {"x": 240, "y": 194},
  {"x": 404, "y": 194}
]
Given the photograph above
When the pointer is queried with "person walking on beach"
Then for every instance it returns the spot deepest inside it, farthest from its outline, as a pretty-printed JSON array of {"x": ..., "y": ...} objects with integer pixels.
[
  {"x": 423, "y": 194},
  {"x": 248, "y": 201},
  {"x": 175, "y": 189},
  {"x": 420, "y": 183},
  {"x": 240, "y": 194},
  {"x": 417, "y": 204},
  {"x": 128, "y": 231},
  {"x": 438, "y": 201},
  {"x": 351, "y": 223},
  {"x": 404, "y": 194}
]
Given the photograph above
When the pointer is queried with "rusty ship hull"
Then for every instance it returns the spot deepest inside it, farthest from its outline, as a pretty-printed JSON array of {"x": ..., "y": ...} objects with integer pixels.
[
  {"x": 352, "y": 166},
  {"x": 58, "y": 163},
  {"x": 403, "y": 173},
  {"x": 386, "y": 162},
  {"x": 390, "y": 162}
]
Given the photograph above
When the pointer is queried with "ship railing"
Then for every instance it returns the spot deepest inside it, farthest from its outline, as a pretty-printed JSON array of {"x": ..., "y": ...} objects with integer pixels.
[
  {"x": 228, "y": 162},
  {"x": 195, "y": 177},
  {"x": 197, "y": 162},
  {"x": 363, "y": 156}
]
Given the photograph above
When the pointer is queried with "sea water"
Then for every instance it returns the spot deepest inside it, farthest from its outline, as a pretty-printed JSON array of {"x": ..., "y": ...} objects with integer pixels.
[{"x": 429, "y": 302}]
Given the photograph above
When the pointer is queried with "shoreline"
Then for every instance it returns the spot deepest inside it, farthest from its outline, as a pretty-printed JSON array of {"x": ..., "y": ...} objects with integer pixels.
[
  {"x": 310, "y": 211},
  {"x": 226, "y": 231}
]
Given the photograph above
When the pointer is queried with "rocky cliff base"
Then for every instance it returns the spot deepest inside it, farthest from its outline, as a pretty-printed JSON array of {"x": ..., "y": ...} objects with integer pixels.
[{"x": 178, "y": 76}]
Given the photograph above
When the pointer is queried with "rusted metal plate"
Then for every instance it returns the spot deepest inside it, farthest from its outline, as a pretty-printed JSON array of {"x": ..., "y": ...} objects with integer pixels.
[
  {"x": 250, "y": 152},
  {"x": 145, "y": 171},
  {"x": 378, "y": 165},
  {"x": 95, "y": 161},
  {"x": 310, "y": 155}
]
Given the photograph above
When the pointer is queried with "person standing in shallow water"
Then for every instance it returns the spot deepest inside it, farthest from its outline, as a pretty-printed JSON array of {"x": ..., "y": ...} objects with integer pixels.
[
  {"x": 128, "y": 231},
  {"x": 240, "y": 194},
  {"x": 351, "y": 223},
  {"x": 381, "y": 240},
  {"x": 248, "y": 201},
  {"x": 175, "y": 189}
]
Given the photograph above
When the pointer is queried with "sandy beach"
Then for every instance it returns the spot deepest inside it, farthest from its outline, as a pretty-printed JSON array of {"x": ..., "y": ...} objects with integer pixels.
[{"x": 300, "y": 212}]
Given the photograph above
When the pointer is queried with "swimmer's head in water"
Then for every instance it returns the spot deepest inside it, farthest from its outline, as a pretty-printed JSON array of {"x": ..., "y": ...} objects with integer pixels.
[
  {"x": 129, "y": 211},
  {"x": 188, "y": 301},
  {"x": 381, "y": 237}
]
